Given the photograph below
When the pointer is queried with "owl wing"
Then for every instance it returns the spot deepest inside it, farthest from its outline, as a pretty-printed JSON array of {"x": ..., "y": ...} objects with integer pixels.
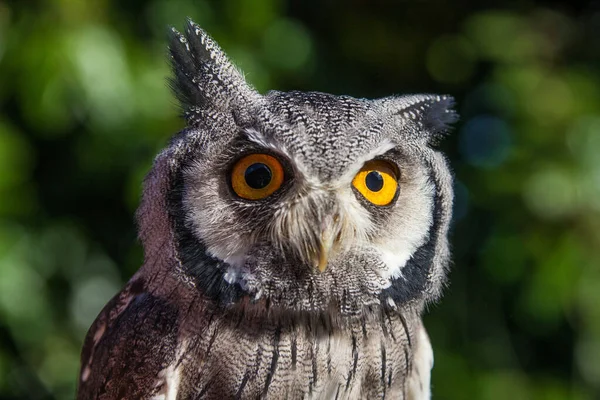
[{"x": 127, "y": 347}]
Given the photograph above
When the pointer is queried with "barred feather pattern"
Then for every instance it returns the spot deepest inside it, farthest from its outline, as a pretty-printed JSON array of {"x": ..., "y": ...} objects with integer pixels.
[{"x": 151, "y": 349}]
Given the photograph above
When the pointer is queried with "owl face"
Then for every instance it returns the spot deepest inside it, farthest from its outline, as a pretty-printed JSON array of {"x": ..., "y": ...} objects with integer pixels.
[{"x": 306, "y": 201}]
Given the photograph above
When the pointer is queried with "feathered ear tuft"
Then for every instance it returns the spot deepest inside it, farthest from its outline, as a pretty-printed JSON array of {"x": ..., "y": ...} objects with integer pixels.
[
  {"x": 205, "y": 80},
  {"x": 432, "y": 114}
]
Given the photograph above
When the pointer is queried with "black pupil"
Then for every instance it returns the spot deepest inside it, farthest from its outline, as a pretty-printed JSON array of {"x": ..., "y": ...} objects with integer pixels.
[
  {"x": 374, "y": 181},
  {"x": 258, "y": 176}
]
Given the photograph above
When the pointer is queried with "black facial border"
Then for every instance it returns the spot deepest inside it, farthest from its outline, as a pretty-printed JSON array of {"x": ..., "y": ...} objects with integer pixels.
[{"x": 415, "y": 274}]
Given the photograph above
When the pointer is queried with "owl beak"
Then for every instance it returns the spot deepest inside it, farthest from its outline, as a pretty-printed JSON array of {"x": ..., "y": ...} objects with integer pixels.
[
  {"x": 323, "y": 257},
  {"x": 329, "y": 232}
]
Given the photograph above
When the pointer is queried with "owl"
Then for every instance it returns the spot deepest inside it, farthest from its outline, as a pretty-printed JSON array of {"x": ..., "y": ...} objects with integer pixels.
[{"x": 291, "y": 242}]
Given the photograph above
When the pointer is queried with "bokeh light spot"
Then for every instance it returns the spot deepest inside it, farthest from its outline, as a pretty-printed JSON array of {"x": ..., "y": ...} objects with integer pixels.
[
  {"x": 99, "y": 60},
  {"x": 503, "y": 36},
  {"x": 587, "y": 354},
  {"x": 583, "y": 139},
  {"x": 553, "y": 100},
  {"x": 89, "y": 298},
  {"x": 485, "y": 141},
  {"x": 551, "y": 193},
  {"x": 489, "y": 98}
]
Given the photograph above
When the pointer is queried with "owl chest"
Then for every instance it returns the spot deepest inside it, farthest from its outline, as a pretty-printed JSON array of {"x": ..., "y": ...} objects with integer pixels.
[{"x": 294, "y": 363}]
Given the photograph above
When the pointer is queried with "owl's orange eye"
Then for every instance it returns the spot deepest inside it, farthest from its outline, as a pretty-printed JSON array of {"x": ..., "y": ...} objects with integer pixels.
[
  {"x": 377, "y": 181},
  {"x": 256, "y": 176}
]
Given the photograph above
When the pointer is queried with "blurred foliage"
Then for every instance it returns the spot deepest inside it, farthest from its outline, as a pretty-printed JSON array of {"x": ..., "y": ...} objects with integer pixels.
[{"x": 84, "y": 107}]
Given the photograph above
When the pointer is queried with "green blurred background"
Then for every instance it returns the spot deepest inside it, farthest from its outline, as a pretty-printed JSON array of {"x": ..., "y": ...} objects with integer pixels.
[{"x": 84, "y": 107}]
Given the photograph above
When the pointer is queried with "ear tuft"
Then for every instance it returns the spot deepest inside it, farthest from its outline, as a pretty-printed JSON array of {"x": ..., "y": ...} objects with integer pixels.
[
  {"x": 432, "y": 114},
  {"x": 204, "y": 78}
]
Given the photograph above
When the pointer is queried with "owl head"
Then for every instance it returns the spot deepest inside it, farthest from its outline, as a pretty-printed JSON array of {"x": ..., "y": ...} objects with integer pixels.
[{"x": 298, "y": 201}]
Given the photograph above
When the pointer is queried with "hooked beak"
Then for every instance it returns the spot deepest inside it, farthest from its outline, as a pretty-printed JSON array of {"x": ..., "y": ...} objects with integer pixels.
[{"x": 327, "y": 240}]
